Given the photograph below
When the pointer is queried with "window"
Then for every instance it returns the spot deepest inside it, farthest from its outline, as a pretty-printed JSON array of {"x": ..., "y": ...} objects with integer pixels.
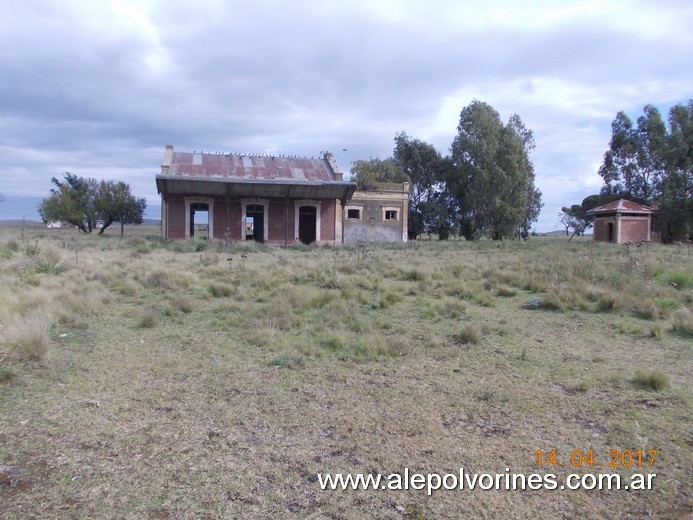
[
  {"x": 354, "y": 214},
  {"x": 391, "y": 214}
]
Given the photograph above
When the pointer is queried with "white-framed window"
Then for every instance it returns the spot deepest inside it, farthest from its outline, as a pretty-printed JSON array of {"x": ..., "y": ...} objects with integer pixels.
[
  {"x": 354, "y": 212},
  {"x": 390, "y": 214}
]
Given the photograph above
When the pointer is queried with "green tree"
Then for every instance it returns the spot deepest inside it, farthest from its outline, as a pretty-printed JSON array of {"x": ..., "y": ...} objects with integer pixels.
[
  {"x": 82, "y": 202},
  {"x": 426, "y": 170},
  {"x": 651, "y": 163},
  {"x": 115, "y": 203},
  {"x": 676, "y": 187},
  {"x": 71, "y": 201},
  {"x": 368, "y": 174},
  {"x": 493, "y": 177},
  {"x": 575, "y": 218}
]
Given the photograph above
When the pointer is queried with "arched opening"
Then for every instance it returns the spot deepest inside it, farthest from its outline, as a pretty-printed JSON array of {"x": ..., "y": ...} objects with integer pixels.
[
  {"x": 307, "y": 220},
  {"x": 255, "y": 222},
  {"x": 199, "y": 220}
]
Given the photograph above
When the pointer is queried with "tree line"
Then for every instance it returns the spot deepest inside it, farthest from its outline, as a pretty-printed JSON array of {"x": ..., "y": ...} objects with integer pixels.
[
  {"x": 88, "y": 204},
  {"x": 649, "y": 162},
  {"x": 485, "y": 187}
]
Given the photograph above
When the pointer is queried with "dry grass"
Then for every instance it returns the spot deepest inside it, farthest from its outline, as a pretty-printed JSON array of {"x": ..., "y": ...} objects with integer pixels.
[
  {"x": 179, "y": 384},
  {"x": 25, "y": 338}
]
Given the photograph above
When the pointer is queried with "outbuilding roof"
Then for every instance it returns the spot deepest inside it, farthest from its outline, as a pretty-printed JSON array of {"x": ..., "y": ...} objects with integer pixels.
[{"x": 622, "y": 206}]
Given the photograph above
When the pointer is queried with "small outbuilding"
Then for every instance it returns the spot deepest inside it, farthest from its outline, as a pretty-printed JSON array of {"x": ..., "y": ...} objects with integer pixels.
[{"x": 623, "y": 221}]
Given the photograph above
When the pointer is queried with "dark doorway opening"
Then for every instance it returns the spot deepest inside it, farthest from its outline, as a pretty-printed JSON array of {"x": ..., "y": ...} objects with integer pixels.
[
  {"x": 610, "y": 232},
  {"x": 255, "y": 222},
  {"x": 199, "y": 220},
  {"x": 307, "y": 219}
]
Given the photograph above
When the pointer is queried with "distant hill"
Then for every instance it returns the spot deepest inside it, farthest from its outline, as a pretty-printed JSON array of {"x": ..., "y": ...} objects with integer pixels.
[
  {"x": 561, "y": 232},
  {"x": 20, "y": 223},
  {"x": 37, "y": 224}
]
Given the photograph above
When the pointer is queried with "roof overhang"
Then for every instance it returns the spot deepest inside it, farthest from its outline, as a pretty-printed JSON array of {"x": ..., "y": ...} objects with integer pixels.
[{"x": 261, "y": 188}]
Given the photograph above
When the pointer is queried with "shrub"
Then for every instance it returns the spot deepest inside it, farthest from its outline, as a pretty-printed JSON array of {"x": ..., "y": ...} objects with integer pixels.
[
  {"x": 609, "y": 301},
  {"x": 142, "y": 248},
  {"x": 49, "y": 263},
  {"x": 484, "y": 299},
  {"x": 168, "y": 279},
  {"x": 414, "y": 275},
  {"x": 550, "y": 302},
  {"x": 653, "y": 380},
  {"x": 27, "y": 337},
  {"x": 680, "y": 279},
  {"x": 657, "y": 331},
  {"x": 505, "y": 291},
  {"x": 284, "y": 360},
  {"x": 220, "y": 290},
  {"x": 32, "y": 249},
  {"x": 149, "y": 319},
  {"x": 389, "y": 298},
  {"x": 682, "y": 320},
  {"x": 469, "y": 334},
  {"x": 333, "y": 343},
  {"x": 181, "y": 303}
]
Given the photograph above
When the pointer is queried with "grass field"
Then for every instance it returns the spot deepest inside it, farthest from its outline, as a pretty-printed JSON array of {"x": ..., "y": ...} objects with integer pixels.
[{"x": 144, "y": 379}]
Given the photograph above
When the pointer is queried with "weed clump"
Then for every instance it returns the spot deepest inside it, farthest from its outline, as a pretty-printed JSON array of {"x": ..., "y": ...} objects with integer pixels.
[
  {"x": 550, "y": 302},
  {"x": 470, "y": 333},
  {"x": 220, "y": 290},
  {"x": 49, "y": 264},
  {"x": 682, "y": 321},
  {"x": 505, "y": 292},
  {"x": 27, "y": 338},
  {"x": 284, "y": 360},
  {"x": 652, "y": 380},
  {"x": 414, "y": 275},
  {"x": 149, "y": 319}
]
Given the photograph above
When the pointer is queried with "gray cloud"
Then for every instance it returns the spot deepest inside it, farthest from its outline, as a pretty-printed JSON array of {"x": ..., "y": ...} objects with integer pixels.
[{"x": 100, "y": 88}]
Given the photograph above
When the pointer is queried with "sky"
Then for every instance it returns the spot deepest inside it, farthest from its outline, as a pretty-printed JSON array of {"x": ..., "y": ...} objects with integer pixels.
[{"x": 99, "y": 88}]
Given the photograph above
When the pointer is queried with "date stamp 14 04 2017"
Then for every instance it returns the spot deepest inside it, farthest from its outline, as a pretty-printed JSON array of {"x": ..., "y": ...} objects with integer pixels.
[{"x": 580, "y": 458}]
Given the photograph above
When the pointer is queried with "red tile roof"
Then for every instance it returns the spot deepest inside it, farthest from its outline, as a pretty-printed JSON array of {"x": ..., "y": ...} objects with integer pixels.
[
  {"x": 623, "y": 206},
  {"x": 248, "y": 167}
]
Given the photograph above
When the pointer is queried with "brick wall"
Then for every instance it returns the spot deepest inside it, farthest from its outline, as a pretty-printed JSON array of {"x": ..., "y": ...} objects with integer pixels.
[
  {"x": 633, "y": 229},
  {"x": 327, "y": 216},
  {"x": 277, "y": 227},
  {"x": 176, "y": 217},
  {"x": 600, "y": 232}
]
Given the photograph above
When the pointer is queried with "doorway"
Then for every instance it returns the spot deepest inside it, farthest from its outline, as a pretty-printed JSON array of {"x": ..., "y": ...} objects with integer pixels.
[
  {"x": 307, "y": 219},
  {"x": 255, "y": 222},
  {"x": 610, "y": 232},
  {"x": 199, "y": 220}
]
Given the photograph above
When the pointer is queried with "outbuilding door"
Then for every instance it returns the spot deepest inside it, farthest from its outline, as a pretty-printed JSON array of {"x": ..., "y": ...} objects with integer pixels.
[
  {"x": 307, "y": 218},
  {"x": 610, "y": 232}
]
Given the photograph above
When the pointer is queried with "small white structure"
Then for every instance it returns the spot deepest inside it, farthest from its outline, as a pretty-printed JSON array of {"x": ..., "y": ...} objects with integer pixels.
[{"x": 54, "y": 225}]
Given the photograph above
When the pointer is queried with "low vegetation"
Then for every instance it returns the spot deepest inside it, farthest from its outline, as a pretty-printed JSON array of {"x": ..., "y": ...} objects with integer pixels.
[{"x": 145, "y": 379}]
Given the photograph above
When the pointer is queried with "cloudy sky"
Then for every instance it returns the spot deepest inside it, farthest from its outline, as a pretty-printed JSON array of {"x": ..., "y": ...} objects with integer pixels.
[{"x": 99, "y": 87}]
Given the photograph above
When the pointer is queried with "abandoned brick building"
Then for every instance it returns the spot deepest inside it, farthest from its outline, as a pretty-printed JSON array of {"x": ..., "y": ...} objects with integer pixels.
[
  {"x": 623, "y": 221},
  {"x": 273, "y": 199},
  {"x": 379, "y": 214}
]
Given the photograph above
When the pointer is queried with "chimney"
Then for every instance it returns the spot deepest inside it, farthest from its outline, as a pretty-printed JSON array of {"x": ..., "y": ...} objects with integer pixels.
[
  {"x": 338, "y": 176},
  {"x": 168, "y": 159}
]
